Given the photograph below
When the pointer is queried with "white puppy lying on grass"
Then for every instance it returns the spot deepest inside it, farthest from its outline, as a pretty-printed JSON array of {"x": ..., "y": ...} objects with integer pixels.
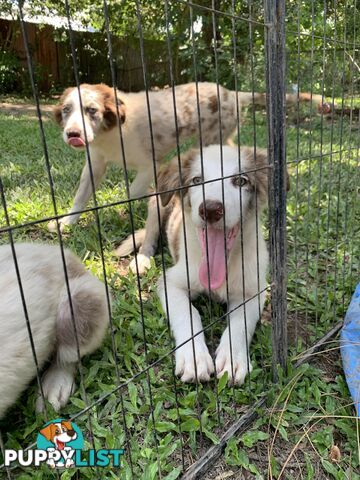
[
  {"x": 48, "y": 308},
  {"x": 229, "y": 265}
]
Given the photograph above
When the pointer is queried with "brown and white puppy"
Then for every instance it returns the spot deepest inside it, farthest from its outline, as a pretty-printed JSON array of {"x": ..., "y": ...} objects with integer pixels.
[
  {"x": 224, "y": 256},
  {"x": 51, "y": 322},
  {"x": 95, "y": 120}
]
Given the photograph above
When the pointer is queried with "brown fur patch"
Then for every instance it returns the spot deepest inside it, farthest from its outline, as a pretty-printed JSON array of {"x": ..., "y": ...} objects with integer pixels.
[
  {"x": 176, "y": 232},
  {"x": 176, "y": 244},
  {"x": 213, "y": 104},
  {"x": 180, "y": 130},
  {"x": 88, "y": 307},
  {"x": 169, "y": 177},
  {"x": 213, "y": 123},
  {"x": 110, "y": 108},
  {"x": 259, "y": 179},
  {"x": 57, "y": 114},
  {"x": 159, "y": 137}
]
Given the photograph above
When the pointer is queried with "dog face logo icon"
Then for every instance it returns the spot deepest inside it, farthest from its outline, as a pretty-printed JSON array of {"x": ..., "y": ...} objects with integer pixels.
[
  {"x": 59, "y": 433},
  {"x": 60, "y": 438}
]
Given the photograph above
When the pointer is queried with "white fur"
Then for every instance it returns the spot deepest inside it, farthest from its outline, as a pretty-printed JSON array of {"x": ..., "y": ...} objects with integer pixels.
[
  {"x": 43, "y": 283},
  {"x": 200, "y": 367}
]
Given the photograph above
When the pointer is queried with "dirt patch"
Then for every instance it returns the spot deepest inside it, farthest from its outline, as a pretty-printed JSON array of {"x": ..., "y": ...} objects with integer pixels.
[{"x": 28, "y": 109}]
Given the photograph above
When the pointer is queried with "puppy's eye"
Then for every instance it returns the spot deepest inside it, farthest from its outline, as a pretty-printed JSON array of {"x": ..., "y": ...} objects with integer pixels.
[
  {"x": 196, "y": 180},
  {"x": 91, "y": 110},
  {"x": 240, "y": 180},
  {"x": 66, "y": 109},
  {"x": 57, "y": 432}
]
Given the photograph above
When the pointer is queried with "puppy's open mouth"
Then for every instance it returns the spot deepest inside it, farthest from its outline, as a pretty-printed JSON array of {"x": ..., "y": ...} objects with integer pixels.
[
  {"x": 76, "y": 142},
  {"x": 213, "y": 260},
  {"x": 59, "y": 445}
]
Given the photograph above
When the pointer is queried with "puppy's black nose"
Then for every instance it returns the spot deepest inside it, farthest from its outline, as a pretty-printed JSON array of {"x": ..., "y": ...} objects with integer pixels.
[
  {"x": 211, "y": 211},
  {"x": 73, "y": 134},
  {"x": 71, "y": 433}
]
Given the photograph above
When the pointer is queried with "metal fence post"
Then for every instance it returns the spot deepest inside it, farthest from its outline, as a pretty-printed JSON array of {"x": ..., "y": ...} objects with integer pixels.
[{"x": 275, "y": 79}]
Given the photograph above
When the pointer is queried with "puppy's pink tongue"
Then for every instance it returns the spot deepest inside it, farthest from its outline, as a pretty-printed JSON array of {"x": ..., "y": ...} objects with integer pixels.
[
  {"x": 76, "y": 142},
  {"x": 215, "y": 259}
]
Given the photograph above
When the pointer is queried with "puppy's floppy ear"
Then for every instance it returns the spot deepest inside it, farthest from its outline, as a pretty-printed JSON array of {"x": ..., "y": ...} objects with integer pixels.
[
  {"x": 169, "y": 177},
  {"x": 48, "y": 432},
  {"x": 110, "y": 108},
  {"x": 57, "y": 114},
  {"x": 262, "y": 172},
  {"x": 260, "y": 164}
]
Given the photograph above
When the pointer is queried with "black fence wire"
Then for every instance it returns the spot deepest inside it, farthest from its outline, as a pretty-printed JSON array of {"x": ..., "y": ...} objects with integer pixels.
[{"x": 130, "y": 395}]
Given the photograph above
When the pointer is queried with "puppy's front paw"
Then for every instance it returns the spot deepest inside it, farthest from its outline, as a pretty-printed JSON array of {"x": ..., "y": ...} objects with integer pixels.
[
  {"x": 52, "y": 226},
  {"x": 63, "y": 222},
  {"x": 190, "y": 371},
  {"x": 143, "y": 263},
  {"x": 57, "y": 385},
  {"x": 237, "y": 369}
]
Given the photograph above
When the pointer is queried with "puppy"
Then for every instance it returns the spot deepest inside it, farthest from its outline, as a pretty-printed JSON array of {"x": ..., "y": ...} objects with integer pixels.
[
  {"x": 95, "y": 120},
  {"x": 225, "y": 256},
  {"x": 49, "y": 312}
]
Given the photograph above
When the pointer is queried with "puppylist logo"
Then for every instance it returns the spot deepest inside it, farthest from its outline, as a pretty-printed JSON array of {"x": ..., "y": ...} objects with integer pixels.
[{"x": 60, "y": 444}]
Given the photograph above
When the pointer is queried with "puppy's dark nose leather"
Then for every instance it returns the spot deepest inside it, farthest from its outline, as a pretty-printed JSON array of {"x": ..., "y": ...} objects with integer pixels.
[
  {"x": 73, "y": 134},
  {"x": 71, "y": 433},
  {"x": 211, "y": 211}
]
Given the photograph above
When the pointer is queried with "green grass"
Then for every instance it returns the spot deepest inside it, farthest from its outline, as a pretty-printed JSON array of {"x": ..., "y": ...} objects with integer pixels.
[{"x": 323, "y": 253}]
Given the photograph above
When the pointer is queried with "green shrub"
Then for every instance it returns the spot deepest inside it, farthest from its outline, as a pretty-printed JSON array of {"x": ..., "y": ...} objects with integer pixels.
[{"x": 10, "y": 71}]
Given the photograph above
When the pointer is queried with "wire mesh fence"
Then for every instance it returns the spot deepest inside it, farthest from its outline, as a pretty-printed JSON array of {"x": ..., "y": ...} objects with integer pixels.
[{"x": 178, "y": 374}]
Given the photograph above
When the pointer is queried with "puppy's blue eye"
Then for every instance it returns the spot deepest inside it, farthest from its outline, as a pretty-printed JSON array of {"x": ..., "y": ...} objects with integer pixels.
[
  {"x": 66, "y": 109},
  {"x": 240, "y": 180},
  {"x": 91, "y": 110},
  {"x": 196, "y": 180}
]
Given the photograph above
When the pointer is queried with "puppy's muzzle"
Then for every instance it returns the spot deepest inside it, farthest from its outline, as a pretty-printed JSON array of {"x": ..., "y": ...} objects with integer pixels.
[
  {"x": 74, "y": 138},
  {"x": 73, "y": 134},
  {"x": 211, "y": 211}
]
